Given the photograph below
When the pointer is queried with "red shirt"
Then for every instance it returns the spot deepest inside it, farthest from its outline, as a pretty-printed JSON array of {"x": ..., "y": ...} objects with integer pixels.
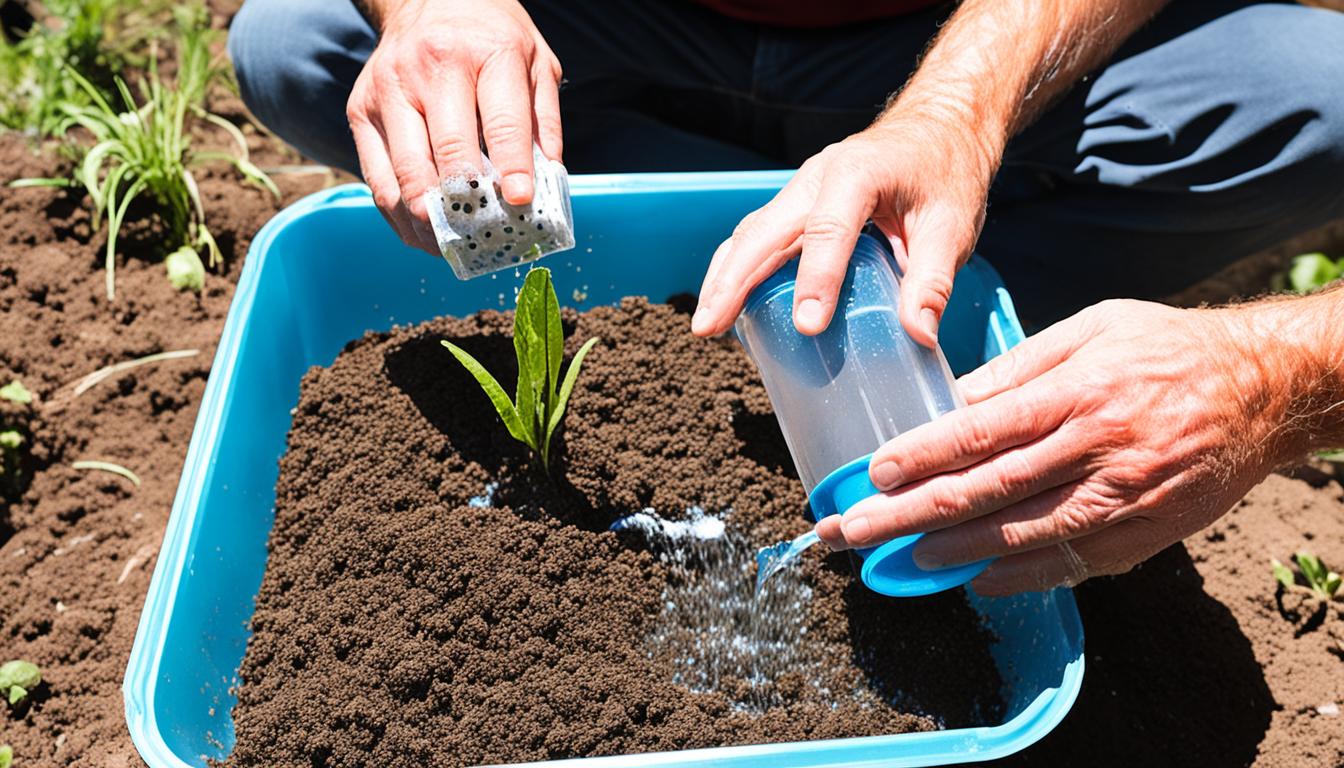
[{"x": 814, "y": 13}]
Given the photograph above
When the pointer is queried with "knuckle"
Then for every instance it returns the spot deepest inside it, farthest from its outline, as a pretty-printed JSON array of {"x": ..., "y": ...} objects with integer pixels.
[
  {"x": 1072, "y": 521},
  {"x": 946, "y": 507},
  {"x": 936, "y": 283},
  {"x": 1016, "y": 478},
  {"x": 449, "y": 149},
  {"x": 503, "y": 129},
  {"x": 973, "y": 435},
  {"x": 826, "y": 227}
]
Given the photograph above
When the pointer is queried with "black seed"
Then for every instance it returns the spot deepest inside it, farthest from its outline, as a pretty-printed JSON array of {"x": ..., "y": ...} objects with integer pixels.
[
  {"x": 539, "y": 226},
  {"x": 499, "y": 254},
  {"x": 457, "y": 206},
  {"x": 508, "y": 247},
  {"x": 472, "y": 246},
  {"x": 484, "y": 201},
  {"x": 522, "y": 217},
  {"x": 508, "y": 230},
  {"x": 474, "y": 183},
  {"x": 467, "y": 208},
  {"x": 516, "y": 259},
  {"x": 468, "y": 237},
  {"x": 487, "y": 233}
]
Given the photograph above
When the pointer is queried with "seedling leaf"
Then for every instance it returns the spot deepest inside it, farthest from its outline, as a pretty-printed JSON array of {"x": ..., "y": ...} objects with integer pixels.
[
  {"x": 6, "y": 756},
  {"x": 1322, "y": 581},
  {"x": 15, "y": 392},
  {"x": 185, "y": 270},
  {"x": 17, "y": 678},
  {"x": 1282, "y": 573},
  {"x": 571, "y": 376},
  {"x": 107, "y": 466},
  {"x": 10, "y": 439},
  {"x": 1311, "y": 271},
  {"x": 507, "y": 412}
]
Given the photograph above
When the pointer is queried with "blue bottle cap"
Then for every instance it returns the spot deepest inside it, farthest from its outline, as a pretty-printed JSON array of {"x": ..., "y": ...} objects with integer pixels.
[{"x": 890, "y": 568}]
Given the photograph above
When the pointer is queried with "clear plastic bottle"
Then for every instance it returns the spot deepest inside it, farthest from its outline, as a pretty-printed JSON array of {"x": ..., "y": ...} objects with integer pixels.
[{"x": 841, "y": 394}]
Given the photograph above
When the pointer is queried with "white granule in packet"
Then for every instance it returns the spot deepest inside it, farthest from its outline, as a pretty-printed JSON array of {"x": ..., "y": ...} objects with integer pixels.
[{"x": 479, "y": 233}]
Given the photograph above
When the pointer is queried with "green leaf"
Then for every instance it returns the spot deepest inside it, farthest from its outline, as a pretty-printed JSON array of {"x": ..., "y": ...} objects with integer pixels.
[
  {"x": 1282, "y": 573},
  {"x": 1332, "y": 582},
  {"x": 185, "y": 270},
  {"x": 18, "y": 677},
  {"x": 6, "y": 756},
  {"x": 507, "y": 412},
  {"x": 531, "y": 341},
  {"x": 562, "y": 398},
  {"x": 1311, "y": 271},
  {"x": 15, "y": 392},
  {"x": 1336, "y": 456},
  {"x": 10, "y": 439},
  {"x": 1311, "y": 568}
]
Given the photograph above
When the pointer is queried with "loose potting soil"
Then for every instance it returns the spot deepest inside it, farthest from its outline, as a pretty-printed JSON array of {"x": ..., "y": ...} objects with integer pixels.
[{"x": 432, "y": 597}]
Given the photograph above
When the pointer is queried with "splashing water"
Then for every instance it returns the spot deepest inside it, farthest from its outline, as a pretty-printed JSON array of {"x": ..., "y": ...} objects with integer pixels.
[
  {"x": 773, "y": 559},
  {"x": 720, "y": 633}
]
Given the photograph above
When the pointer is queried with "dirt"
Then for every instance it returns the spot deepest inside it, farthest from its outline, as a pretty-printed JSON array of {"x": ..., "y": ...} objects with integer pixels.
[
  {"x": 398, "y": 624},
  {"x": 77, "y": 547}
]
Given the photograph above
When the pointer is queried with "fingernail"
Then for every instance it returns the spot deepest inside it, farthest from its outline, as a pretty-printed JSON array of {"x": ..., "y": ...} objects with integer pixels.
[
  {"x": 886, "y": 475},
  {"x": 929, "y": 561},
  {"x": 928, "y": 320},
  {"x": 809, "y": 313},
  {"x": 700, "y": 320},
  {"x": 857, "y": 530},
  {"x": 517, "y": 188}
]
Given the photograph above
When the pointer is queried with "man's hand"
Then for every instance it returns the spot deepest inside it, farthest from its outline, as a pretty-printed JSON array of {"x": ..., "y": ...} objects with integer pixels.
[
  {"x": 1100, "y": 441},
  {"x": 413, "y": 110},
  {"x": 922, "y": 171}
]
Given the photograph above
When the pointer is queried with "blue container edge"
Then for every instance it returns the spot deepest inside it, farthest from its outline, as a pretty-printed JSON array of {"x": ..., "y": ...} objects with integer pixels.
[{"x": 1037, "y": 718}]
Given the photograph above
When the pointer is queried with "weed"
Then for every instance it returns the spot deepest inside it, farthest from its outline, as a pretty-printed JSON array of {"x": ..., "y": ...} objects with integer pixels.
[
  {"x": 17, "y": 678},
  {"x": 538, "y": 340},
  {"x": 6, "y": 756},
  {"x": 11, "y": 440},
  {"x": 1324, "y": 582},
  {"x": 107, "y": 466},
  {"x": 15, "y": 392},
  {"x": 145, "y": 150}
]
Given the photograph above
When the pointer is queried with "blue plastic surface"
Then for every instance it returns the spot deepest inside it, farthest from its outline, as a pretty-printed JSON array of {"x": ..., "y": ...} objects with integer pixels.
[{"x": 326, "y": 270}]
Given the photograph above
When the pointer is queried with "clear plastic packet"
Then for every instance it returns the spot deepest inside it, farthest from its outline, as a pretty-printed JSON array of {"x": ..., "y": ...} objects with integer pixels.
[{"x": 478, "y": 232}]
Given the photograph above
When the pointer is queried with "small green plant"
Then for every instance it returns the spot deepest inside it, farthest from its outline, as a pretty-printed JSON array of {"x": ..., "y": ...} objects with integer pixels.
[
  {"x": 1312, "y": 271},
  {"x": 144, "y": 149},
  {"x": 17, "y": 679},
  {"x": 538, "y": 340},
  {"x": 15, "y": 392},
  {"x": 6, "y": 756},
  {"x": 1323, "y": 581},
  {"x": 185, "y": 270},
  {"x": 11, "y": 440}
]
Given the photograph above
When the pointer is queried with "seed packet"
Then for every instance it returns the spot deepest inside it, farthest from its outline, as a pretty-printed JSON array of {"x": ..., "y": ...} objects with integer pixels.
[{"x": 478, "y": 232}]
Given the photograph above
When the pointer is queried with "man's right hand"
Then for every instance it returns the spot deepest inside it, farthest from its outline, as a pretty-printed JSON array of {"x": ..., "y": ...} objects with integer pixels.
[{"x": 413, "y": 110}]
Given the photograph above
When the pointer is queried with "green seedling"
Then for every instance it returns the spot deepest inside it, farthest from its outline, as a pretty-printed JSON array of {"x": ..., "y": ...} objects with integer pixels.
[
  {"x": 17, "y": 679},
  {"x": 107, "y": 466},
  {"x": 1312, "y": 271},
  {"x": 538, "y": 340},
  {"x": 185, "y": 270},
  {"x": 1323, "y": 581},
  {"x": 143, "y": 149},
  {"x": 15, "y": 392},
  {"x": 6, "y": 756}
]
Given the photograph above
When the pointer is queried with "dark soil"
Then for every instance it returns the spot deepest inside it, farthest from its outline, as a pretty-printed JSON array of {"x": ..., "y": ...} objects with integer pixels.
[
  {"x": 400, "y": 625},
  {"x": 76, "y": 547}
]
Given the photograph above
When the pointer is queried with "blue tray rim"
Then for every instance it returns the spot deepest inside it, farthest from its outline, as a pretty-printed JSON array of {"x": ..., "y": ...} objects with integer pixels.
[{"x": 138, "y": 687}]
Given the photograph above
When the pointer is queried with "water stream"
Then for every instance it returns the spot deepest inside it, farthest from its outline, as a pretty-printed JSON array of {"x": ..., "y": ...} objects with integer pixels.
[{"x": 720, "y": 630}]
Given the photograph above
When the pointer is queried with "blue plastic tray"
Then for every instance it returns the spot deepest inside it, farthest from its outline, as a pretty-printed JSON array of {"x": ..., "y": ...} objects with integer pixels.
[{"x": 326, "y": 270}]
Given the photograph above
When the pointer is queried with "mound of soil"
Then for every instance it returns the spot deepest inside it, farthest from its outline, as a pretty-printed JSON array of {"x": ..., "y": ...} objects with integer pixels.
[{"x": 408, "y": 616}]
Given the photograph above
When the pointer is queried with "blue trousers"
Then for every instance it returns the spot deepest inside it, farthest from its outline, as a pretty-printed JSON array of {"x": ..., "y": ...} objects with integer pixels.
[{"x": 1215, "y": 131}]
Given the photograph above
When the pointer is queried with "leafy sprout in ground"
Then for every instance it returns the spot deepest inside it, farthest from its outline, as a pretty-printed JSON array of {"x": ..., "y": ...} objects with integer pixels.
[
  {"x": 6, "y": 756},
  {"x": 538, "y": 340},
  {"x": 15, "y": 392},
  {"x": 11, "y": 440},
  {"x": 145, "y": 149},
  {"x": 1323, "y": 581},
  {"x": 18, "y": 678},
  {"x": 1310, "y": 272}
]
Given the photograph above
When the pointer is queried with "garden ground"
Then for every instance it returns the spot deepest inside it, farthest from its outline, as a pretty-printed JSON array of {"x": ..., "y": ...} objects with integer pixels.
[{"x": 1190, "y": 659}]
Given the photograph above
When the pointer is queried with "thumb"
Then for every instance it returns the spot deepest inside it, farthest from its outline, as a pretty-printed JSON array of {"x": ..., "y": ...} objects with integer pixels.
[{"x": 936, "y": 245}]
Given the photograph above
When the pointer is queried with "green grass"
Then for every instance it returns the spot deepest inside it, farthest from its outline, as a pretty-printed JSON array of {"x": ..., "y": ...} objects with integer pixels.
[{"x": 142, "y": 148}]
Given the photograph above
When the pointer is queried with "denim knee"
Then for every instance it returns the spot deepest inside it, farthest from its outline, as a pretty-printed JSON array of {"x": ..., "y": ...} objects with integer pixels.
[{"x": 296, "y": 62}]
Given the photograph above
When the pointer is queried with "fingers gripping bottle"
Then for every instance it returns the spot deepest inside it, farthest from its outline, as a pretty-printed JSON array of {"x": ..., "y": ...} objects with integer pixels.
[{"x": 841, "y": 394}]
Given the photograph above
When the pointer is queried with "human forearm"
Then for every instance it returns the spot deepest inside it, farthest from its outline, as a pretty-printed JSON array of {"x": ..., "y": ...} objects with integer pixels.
[
  {"x": 997, "y": 64},
  {"x": 1289, "y": 353}
]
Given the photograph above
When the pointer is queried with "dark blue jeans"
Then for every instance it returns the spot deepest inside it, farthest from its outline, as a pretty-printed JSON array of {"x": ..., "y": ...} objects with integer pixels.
[{"x": 1217, "y": 130}]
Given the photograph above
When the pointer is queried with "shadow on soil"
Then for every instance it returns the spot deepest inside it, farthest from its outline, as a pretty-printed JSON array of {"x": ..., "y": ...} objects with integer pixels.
[{"x": 1170, "y": 680}]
